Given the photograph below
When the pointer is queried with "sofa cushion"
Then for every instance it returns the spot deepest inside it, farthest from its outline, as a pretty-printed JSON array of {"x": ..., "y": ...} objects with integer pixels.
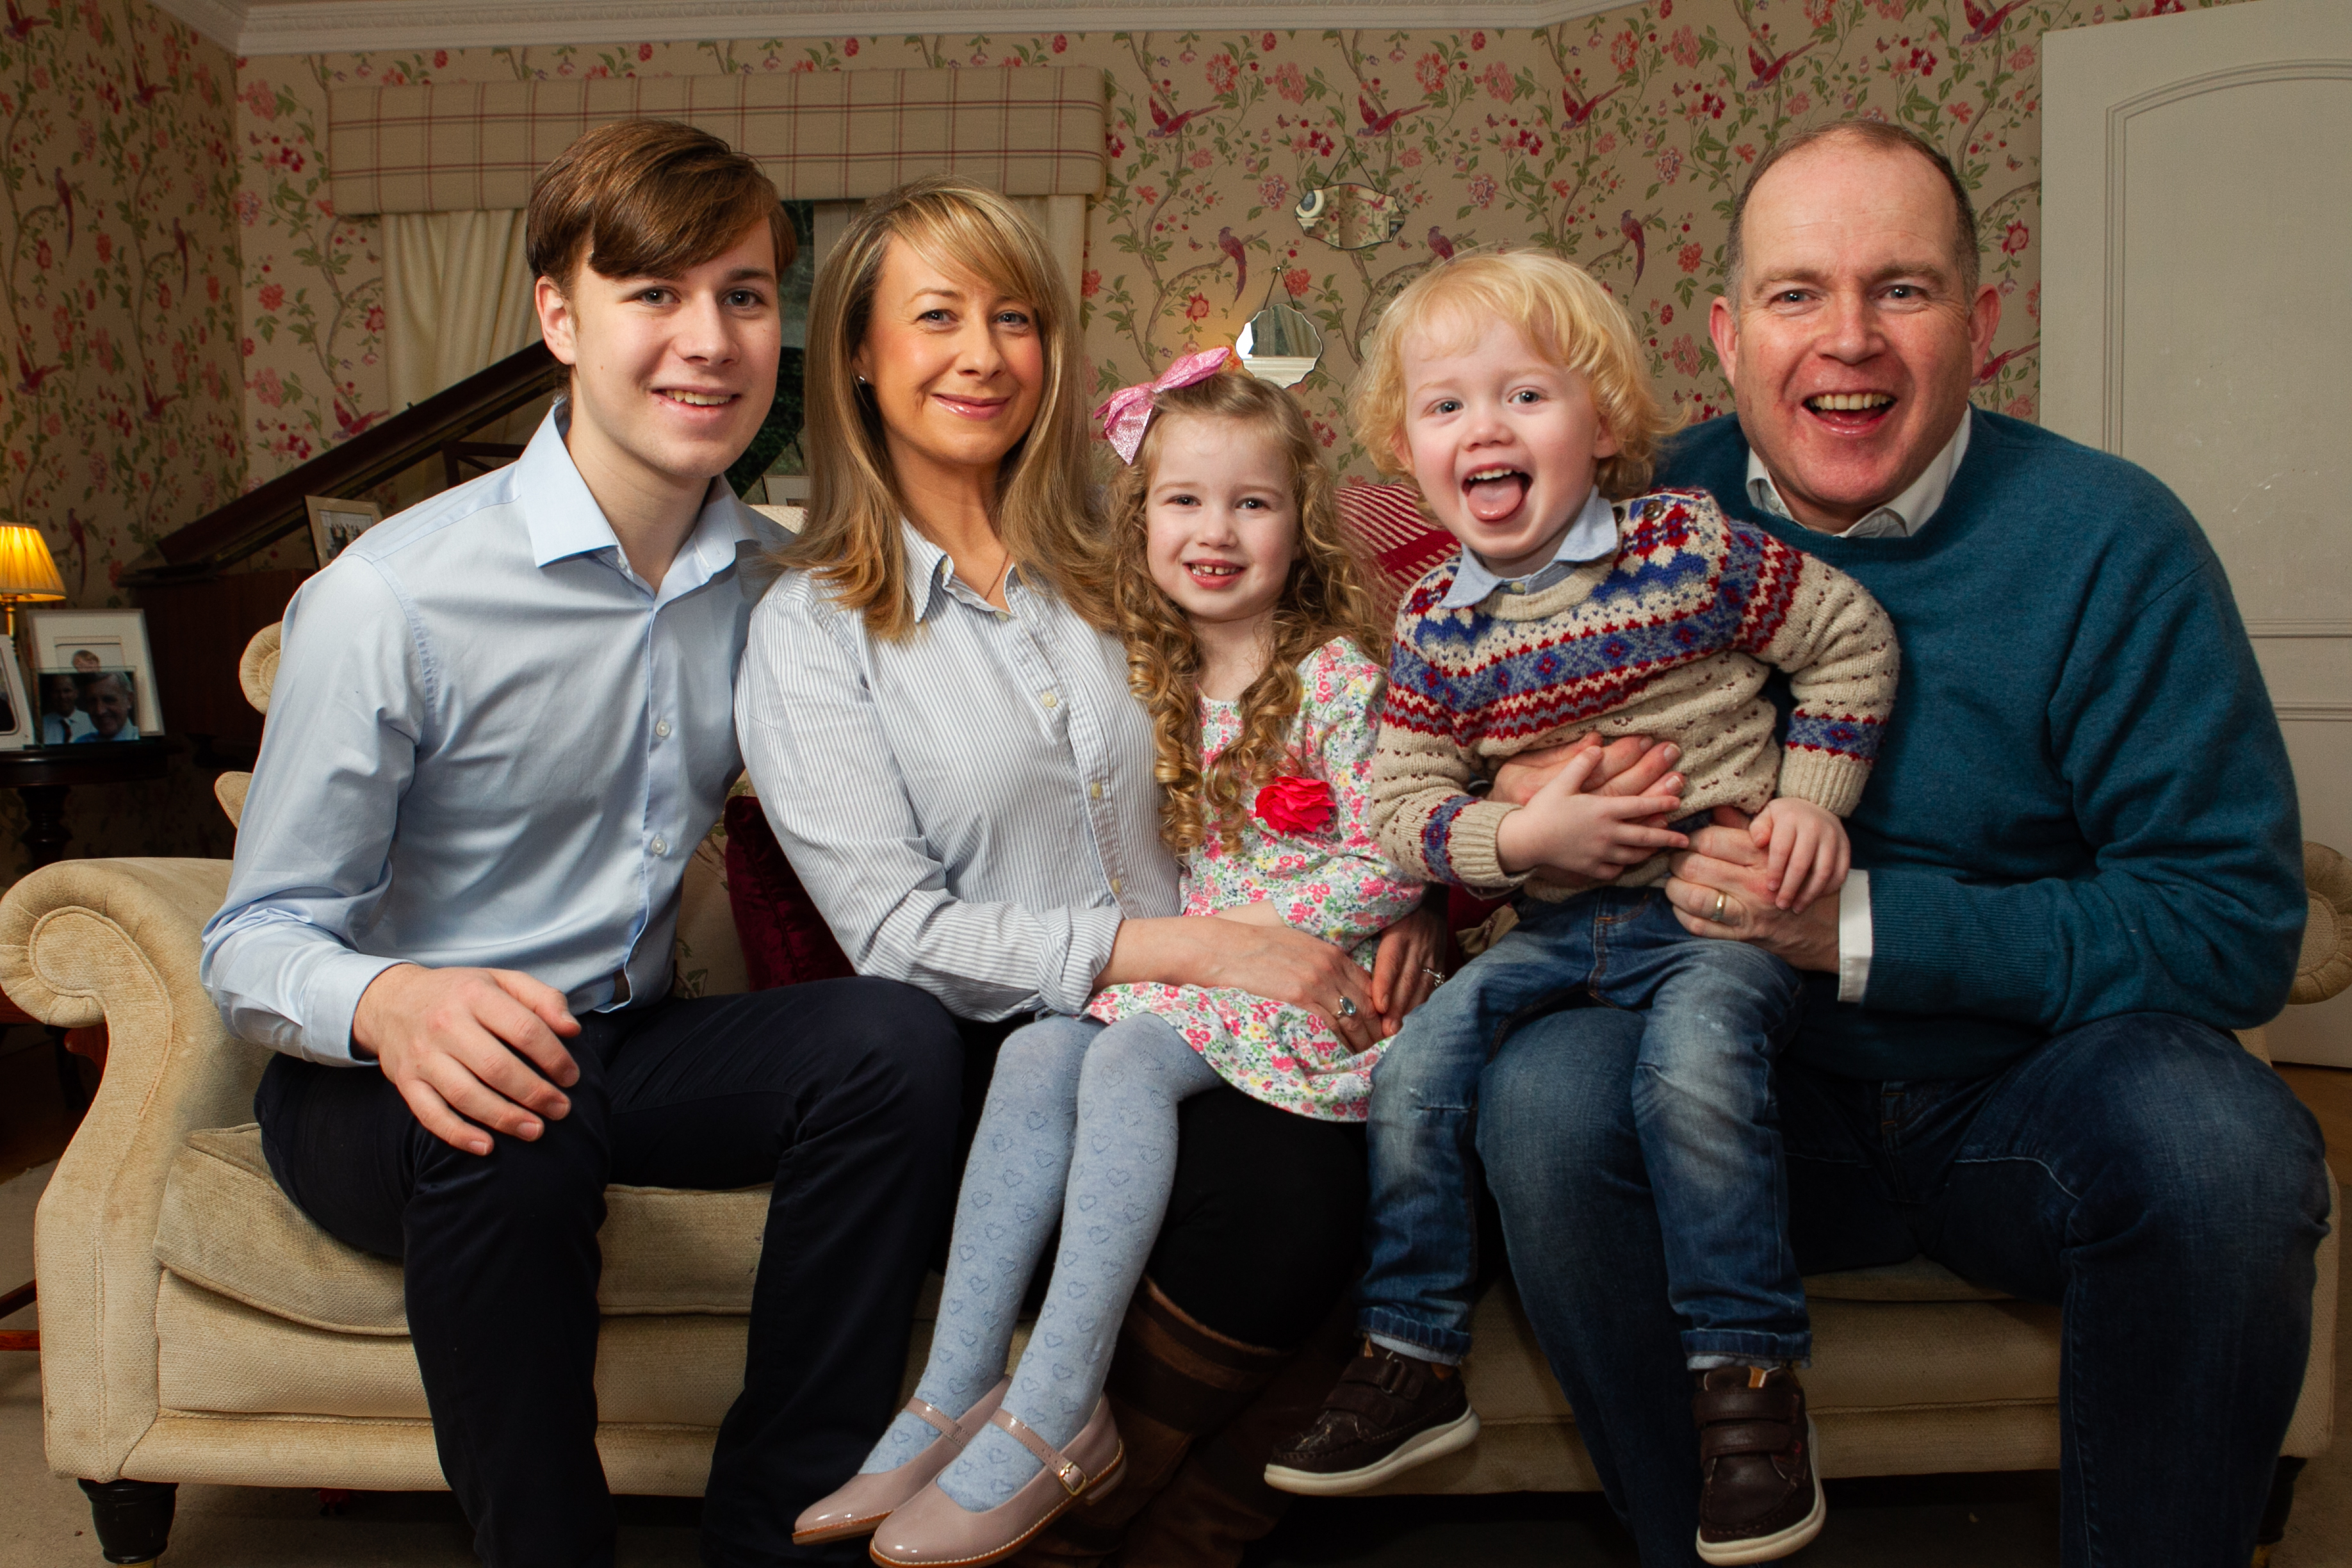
[
  {"x": 226, "y": 1226},
  {"x": 785, "y": 941}
]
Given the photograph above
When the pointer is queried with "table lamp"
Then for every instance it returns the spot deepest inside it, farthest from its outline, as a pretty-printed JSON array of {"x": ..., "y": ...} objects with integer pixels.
[{"x": 27, "y": 575}]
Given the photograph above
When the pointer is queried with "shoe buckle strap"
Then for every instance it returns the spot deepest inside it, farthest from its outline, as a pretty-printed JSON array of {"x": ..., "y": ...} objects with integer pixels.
[
  {"x": 1718, "y": 1404},
  {"x": 1066, "y": 1469},
  {"x": 1748, "y": 1437},
  {"x": 936, "y": 1417}
]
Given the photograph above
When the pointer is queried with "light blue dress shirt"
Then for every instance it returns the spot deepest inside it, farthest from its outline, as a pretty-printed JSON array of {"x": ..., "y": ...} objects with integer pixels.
[
  {"x": 1593, "y": 535},
  {"x": 491, "y": 744}
]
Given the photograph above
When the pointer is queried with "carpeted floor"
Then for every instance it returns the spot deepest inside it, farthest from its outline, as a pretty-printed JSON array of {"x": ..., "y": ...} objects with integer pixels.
[{"x": 1941, "y": 1521}]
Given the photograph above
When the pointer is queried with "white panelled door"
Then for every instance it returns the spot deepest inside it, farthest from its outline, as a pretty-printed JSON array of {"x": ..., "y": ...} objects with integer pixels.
[{"x": 2197, "y": 318}]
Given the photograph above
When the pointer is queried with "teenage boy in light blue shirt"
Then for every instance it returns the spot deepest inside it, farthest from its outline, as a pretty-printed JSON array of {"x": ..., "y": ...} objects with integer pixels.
[{"x": 503, "y": 722}]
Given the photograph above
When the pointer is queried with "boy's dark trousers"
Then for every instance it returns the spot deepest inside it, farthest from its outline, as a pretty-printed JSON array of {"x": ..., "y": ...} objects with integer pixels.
[{"x": 842, "y": 1092}]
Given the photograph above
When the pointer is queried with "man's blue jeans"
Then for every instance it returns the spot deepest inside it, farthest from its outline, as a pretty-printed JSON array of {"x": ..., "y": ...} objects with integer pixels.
[
  {"x": 1700, "y": 1099},
  {"x": 2144, "y": 1172}
]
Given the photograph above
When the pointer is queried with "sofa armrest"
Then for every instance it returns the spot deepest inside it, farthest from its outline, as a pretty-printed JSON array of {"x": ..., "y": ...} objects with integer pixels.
[
  {"x": 2325, "y": 968},
  {"x": 117, "y": 941}
]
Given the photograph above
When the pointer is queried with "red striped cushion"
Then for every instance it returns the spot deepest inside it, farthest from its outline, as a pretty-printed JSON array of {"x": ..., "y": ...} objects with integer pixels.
[{"x": 1395, "y": 535}]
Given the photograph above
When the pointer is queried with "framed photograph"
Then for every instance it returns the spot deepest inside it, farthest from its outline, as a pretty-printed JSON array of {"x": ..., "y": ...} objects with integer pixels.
[
  {"x": 81, "y": 705},
  {"x": 17, "y": 726},
  {"x": 104, "y": 658},
  {"x": 335, "y": 523}
]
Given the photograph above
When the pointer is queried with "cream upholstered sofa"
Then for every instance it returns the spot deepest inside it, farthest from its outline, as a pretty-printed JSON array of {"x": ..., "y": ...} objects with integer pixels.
[{"x": 195, "y": 1326}]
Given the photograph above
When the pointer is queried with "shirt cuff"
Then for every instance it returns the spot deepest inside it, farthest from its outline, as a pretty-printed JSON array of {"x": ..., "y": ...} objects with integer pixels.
[
  {"x": 333, "y": 996},
  {"x": 1854, "y": 937},
  {"x": 1093, "y": 933}
]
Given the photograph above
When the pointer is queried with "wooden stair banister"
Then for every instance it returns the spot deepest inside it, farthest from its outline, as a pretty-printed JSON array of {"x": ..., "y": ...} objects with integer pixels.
[{"x": 264, "y": 515}]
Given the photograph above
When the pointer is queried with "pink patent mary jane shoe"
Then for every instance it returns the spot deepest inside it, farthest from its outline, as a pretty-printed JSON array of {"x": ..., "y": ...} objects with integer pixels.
[
  {"x": 933, "y": 1530},
  {"x": 865, "y": 1500}
]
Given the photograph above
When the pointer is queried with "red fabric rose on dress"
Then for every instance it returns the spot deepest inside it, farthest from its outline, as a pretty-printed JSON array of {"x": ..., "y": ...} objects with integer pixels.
[{"x": 1295, "y": 805}]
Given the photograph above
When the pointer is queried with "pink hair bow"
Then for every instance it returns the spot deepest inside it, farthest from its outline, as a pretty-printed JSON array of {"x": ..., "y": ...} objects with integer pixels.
[{"x": 1128, "y": 414}]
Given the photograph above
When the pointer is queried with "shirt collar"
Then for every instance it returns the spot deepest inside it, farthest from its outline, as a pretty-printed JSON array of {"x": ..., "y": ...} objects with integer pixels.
[
  {"x": 1593, "y": 535},
  {"x": 1901, "y": 518},
  {"x": 564, "y": 520},
  {"x": 929, "y": 568}
]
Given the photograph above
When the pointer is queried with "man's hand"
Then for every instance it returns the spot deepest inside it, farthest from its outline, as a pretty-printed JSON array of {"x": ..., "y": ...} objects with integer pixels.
[
  {"x": 1805, "y": 848},
  {"x": 1724, "y": 859},
  {"x": 1629, "y": 764},
  {"x": 1590, "y": 835},
  {"x": 1405, "y": 972},
  {"x": 471, "y": 1043}
]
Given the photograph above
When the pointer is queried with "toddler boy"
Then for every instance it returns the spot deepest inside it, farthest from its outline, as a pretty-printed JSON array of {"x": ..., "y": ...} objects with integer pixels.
[{"x": 1509, "y": 387}]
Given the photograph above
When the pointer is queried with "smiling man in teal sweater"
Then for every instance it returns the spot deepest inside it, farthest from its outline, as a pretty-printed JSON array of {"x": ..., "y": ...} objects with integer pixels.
[{"x": 2078, "y": 867}]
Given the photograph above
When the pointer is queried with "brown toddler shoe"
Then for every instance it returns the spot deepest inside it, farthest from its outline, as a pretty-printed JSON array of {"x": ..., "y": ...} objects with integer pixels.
[
  {"x": 1761, "y": 1499},
  {"x": 1388, "y": 1414}
]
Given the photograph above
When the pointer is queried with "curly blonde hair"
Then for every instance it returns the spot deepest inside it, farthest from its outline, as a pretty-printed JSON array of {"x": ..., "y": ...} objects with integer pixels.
[
  {"x": 1325, "y": 597},
  {"x": 1563, "y": 311}
]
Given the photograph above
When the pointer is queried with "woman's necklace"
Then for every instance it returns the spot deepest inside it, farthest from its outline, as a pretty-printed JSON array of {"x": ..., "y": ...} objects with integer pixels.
[{"x": 1002, "y": 568}]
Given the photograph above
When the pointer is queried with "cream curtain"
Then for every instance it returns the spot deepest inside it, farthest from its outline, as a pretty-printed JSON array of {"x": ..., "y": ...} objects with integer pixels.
[{"x": 457, "y": 298}]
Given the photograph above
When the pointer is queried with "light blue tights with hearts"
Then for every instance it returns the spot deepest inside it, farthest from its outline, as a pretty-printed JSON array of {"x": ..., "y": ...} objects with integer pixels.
[{"x": 1080, "y": 1126}]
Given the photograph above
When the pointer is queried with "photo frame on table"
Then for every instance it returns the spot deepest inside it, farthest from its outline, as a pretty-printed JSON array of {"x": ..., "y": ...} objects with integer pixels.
[
  {"x": 22, "y": 726},
  {"x": 335, "y": 522},
  {"x": 94, "y": 642}
]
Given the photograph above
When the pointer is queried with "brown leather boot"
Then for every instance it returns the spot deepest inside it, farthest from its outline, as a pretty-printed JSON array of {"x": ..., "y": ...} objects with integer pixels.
[
  {"x": 1219, "y": 1502},
  {"x": 1172, "y": 1380},
  {"x": 1761, "y": 1495}
]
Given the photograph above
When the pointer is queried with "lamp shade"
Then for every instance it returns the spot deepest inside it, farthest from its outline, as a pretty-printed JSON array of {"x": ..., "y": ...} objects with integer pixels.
[{"x": 26, "y": 569}]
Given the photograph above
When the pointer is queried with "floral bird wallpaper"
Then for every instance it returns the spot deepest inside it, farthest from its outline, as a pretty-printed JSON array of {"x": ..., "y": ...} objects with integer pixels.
[
  {"x": 122, "y": 390},
  {"x": 1618, "y": 139}
]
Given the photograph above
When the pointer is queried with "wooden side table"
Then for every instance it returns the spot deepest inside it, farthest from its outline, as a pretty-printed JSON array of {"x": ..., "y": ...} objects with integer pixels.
[{"x": 42, "y": 776}]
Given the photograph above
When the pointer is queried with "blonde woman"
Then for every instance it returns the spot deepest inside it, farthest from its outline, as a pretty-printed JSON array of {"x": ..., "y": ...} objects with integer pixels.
[{"x": 939, "y": 721}]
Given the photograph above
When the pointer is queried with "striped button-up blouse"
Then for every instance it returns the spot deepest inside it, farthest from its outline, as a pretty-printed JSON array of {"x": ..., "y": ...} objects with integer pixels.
[{"x": 972, "y": 809}]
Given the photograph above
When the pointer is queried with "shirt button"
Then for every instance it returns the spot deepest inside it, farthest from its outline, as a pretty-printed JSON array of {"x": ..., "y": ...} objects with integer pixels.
[
  {"x": 659, "y": 845},
  {"x": 1095, "y": 789},
  {"x": 1048, "y": 698},
  {"x": 661, "y": 730},
  {"x": 1114, "y": 884}
]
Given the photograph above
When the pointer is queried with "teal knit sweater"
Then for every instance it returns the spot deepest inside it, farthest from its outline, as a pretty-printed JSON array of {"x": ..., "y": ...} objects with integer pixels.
[{"x": 2082, "y": 806}]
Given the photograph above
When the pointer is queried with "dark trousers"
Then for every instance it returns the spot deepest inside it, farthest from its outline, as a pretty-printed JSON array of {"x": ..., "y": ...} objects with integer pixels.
[
  {"x": 2163, "y": 1186},
  {"x": 842, "y": 1092}
]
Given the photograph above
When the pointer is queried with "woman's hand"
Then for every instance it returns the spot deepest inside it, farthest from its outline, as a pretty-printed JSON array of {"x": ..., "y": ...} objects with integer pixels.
[
  {"x": 1722, "y": 887},
  {"x": 1405, "y": 972},
  {"x": 1270, "y": 961}
]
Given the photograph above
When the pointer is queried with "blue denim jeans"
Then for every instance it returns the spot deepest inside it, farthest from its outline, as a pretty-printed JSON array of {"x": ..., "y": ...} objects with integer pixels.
[
  {"x": 1701, "y": 1099},
  {"x": 2144, "y": 1173}
]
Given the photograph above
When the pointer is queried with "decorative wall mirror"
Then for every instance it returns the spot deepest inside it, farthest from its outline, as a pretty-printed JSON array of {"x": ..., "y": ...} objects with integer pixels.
[
  {"x": 1280, "y": 345},
  {"x": 1349, "y": 218}
]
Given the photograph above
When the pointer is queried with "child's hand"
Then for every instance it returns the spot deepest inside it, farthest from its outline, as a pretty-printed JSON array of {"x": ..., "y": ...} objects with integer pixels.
[
  {"x": 1806, "y": 851},
  {"x": 1564, "y": 828}
]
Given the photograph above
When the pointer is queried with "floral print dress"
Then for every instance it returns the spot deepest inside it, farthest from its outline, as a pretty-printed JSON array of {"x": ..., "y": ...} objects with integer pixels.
[{"x": 1308, "y": 849}]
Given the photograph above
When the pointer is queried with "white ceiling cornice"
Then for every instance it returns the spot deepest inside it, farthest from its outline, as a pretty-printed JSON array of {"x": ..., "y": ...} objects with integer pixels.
[{"x": 332, "y": 27}]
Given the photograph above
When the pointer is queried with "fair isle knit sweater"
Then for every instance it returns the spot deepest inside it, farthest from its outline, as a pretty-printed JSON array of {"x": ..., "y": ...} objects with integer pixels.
[{"x": 1672, "y": 637}]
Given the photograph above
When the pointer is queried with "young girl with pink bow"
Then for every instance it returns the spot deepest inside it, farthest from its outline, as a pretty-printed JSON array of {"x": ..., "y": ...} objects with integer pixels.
[{"x": 1247, "y": 623}]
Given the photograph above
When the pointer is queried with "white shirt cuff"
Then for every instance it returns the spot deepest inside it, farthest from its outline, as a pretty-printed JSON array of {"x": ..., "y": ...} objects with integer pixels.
[{"x": 1854, "y": 937}]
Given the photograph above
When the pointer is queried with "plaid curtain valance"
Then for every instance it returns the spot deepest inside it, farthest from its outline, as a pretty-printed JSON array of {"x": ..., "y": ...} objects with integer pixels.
[{"x": 821, "y": 135}]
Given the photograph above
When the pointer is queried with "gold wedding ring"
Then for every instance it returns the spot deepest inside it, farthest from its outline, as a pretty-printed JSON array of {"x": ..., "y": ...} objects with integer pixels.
[{"x": 1717, "y": 916}]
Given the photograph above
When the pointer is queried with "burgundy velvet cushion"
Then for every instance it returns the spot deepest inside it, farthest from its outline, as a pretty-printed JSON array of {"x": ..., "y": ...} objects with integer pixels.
[{"x": 786, "y": 941}]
